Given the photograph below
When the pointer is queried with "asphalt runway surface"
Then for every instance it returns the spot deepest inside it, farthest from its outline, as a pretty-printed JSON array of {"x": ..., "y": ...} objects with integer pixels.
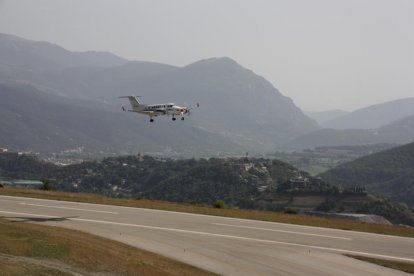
[{"x": 226, "y": 246}]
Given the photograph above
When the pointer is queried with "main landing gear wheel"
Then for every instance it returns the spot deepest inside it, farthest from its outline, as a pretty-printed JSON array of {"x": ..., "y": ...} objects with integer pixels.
[{"x": 151, "y": 120}]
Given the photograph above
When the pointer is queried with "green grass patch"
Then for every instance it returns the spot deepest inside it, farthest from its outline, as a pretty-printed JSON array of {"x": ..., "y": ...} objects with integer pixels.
[
  {"x": 402, "y": 266},
  {"x": 224, "y": 212}
]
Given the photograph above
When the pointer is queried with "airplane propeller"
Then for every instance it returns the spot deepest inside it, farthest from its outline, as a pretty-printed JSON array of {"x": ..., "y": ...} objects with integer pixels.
[{"x": 188, "y": 109}]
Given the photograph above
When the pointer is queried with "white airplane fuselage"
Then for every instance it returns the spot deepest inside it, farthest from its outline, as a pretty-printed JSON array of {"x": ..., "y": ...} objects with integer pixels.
[
  {"x": 155, "y": 110},
  {"x": 160, "y": 109}
]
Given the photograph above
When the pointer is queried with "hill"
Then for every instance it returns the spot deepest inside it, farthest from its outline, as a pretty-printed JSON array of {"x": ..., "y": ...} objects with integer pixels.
[
  {"x": 389, "y": 173},
  {"x": 325, "y": 116},
  {"x": 236, "y": 104},
  {"x": 374, "y": 116},
  {"x": 241, "y": 183},
  {"x": 398, "y": 132},
  {"x": 318, "y": 160}
]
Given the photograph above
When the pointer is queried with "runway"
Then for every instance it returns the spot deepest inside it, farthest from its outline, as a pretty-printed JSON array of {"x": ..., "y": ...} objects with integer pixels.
[{"x": 226, "y": 246}]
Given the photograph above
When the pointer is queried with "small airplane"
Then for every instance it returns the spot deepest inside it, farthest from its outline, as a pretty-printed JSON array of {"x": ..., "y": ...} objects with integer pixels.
[{"x": 155, "y": 110}]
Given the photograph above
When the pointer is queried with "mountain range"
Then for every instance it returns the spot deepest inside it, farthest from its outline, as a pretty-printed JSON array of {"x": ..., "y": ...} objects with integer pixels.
[
  {"x": 389, "y": 122},
  {"x": 374, "y": 116},
  {"x": 35, "y": 119},
  {"x": 239, "y": 110},
  {"x": 71, "y": 101},
  {"x": 398, "y": 132}
]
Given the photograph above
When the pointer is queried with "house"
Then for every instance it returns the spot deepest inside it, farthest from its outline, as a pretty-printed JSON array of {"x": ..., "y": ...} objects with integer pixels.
[{"x": 298, "y": 181}]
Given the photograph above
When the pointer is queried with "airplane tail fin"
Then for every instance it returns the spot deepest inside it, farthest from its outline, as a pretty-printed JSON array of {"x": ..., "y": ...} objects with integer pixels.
[{"x": 133, "y": 100}]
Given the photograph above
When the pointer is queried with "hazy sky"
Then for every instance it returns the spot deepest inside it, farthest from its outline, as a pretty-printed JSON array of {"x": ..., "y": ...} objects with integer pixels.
[{"x": 324, "y": 54}]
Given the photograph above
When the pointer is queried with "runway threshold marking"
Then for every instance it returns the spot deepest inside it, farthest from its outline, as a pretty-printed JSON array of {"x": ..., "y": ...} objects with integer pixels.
[
  {"x": 69, "y": 208},
  {"x": 282, "y": 231},
  {"x": 221, "y": 236}
]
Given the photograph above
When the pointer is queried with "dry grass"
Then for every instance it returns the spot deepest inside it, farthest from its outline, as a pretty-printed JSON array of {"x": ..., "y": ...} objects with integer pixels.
[
  {"x": 10, "y": 267},
  {"x": 406, "y": 267},
  {"x": 24, "y": 245},
  {"x": 198, "y": 209}
]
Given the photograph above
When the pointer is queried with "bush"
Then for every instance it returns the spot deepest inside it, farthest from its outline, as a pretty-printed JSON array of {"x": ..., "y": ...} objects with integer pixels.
[
  {"x": 46, "y": 185},
  {"x": 220, "y": 204},
  {"x": 290, "y": 211}
]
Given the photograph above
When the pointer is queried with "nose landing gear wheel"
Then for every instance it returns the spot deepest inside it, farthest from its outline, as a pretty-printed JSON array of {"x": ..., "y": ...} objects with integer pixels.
[
  {"x": 173, "y": 118},
  {"x": 182, "y": 118},
  {"x": 151, "y": 120}
]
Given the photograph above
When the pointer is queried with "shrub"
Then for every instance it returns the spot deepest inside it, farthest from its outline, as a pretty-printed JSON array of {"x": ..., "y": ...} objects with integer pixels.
[
  {"x": 290, "y": 211},
  {"x": 220, "y": 204},
  {"x": 46, "y": 185}
]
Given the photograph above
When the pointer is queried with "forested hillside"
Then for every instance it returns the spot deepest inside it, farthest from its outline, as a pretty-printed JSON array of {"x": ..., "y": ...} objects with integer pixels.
[
  {"x": 239, "y": 182},
  {"x": 389, "y": 173}
]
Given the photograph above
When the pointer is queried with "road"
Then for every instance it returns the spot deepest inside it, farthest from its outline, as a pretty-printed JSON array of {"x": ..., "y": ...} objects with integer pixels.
[{"x": 226, "y": 246}]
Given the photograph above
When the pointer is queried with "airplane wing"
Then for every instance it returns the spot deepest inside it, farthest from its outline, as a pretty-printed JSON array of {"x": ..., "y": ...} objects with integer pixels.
[
  {"x": 160, "y": 111},
  {"x": 150, "y": 113},
  {"x": 154, "y": 113}
]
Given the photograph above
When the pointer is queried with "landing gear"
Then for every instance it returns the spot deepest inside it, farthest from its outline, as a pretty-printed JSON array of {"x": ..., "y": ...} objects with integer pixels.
[
  {"x": 151, "y": 120},
  {"x": 173, "y": 118},
  {"x": 182, "y": 118}
]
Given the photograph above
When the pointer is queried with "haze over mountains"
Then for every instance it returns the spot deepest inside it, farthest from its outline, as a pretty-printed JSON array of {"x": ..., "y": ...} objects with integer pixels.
[
  {"x": 323, "y": 117},
  {"x": 56, "y": 100},
  {"x": 374, "y": 116},
  {"x": 390, "y": 122},
  {"x": 399, "y": 132}
]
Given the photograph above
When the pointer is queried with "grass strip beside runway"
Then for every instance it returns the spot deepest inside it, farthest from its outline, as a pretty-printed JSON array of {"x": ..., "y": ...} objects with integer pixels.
[{"x": 33, "y": 249}]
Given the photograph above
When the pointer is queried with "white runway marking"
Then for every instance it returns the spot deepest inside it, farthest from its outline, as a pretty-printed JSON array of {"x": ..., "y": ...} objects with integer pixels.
[
  {"x": 282, "y": 231},
  {"x": 221, "y": 236},
  {"x": 70, "y": 208},
  {"x": 224, "y": 218}
]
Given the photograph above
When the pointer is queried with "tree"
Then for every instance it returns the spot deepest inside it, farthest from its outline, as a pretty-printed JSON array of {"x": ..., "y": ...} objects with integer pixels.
[{"x": 46, "y": 185}]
